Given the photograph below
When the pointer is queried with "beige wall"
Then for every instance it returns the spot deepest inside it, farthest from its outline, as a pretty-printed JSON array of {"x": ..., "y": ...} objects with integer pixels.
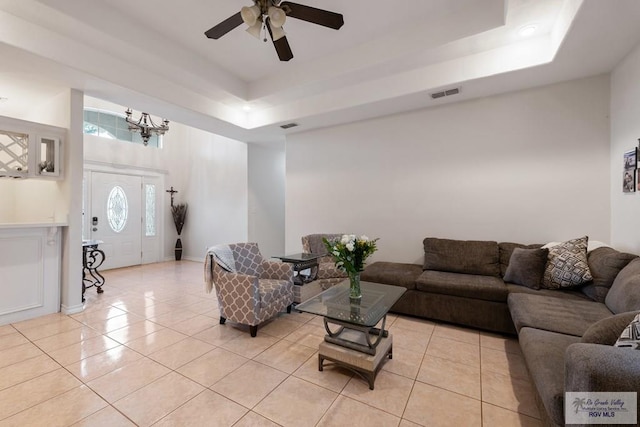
[
  {"x": 267, "y": 199},
  {"x": 625, "y": 131},
  {"x": 529, "y": 166}
]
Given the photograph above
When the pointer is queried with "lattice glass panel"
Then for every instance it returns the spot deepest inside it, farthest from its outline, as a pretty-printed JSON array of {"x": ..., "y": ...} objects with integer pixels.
[
  {"x": 117, "y": 209},
  {"x": 150, "y": 209},
  {"x": 14, "y": 150}
]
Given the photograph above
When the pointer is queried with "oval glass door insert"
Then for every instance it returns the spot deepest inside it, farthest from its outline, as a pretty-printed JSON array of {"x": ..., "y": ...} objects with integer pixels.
[{"x": 117, "y": 209}]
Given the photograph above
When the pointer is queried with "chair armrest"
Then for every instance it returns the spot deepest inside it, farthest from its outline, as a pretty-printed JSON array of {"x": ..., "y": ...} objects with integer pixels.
[
  {"x": 596, "y": 367},
  {"x": 277, "y": 270}
]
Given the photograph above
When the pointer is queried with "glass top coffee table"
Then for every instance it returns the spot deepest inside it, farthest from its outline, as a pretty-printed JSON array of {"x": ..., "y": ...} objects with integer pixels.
[
  {"x": 357, "y": 343},
  {"x": 360, "y": 315}
]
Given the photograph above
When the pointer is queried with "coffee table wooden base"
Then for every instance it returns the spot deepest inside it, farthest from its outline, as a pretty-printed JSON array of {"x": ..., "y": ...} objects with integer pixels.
[{"x": 365, "y": 365}]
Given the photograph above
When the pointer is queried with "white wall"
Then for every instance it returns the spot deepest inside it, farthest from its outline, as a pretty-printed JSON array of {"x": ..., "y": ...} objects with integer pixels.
[
  {"x": 210, "y": 173},
  {"x": 267, "y": 198},
  {"x": 529, "y": 166},
  {"x": 625, "y": 131}
]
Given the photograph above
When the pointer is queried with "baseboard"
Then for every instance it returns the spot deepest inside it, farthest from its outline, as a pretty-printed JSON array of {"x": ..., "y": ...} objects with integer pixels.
[
  {"x": 186, "y": 258},
  {"x": 78, "y": 308}
]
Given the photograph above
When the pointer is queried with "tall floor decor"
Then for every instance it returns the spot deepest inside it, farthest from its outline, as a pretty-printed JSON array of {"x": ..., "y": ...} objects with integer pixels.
[{"x": 179, "y": 213}]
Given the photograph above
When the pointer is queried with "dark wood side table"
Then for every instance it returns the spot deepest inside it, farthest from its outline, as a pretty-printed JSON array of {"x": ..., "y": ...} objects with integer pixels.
[{"x": 301, "y": 262}]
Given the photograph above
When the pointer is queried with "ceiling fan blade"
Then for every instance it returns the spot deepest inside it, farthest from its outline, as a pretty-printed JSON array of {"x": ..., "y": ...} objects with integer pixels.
[
  {"x": 313, "y": 15},
  {"x": 282, "y": 45},
  {"x": 283, "y": 49},
  {"x": 224, "y": 27}
]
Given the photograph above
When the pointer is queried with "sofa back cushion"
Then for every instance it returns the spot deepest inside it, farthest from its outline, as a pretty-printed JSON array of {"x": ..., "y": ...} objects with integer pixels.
[
  {"x": 605, "y": 263},
  {"x": 462, "y": 256},
  {"x": 506, "y": 249},
  {"x": 248, "y": 258},
  {"x": 624, "y": 294}
]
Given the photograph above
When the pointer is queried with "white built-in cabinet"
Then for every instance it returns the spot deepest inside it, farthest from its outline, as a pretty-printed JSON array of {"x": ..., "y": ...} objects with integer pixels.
[
  {"x": 31, "y": 220},
  {"x": 30, "y": 150},
  {"x": 29, "y": 271}
]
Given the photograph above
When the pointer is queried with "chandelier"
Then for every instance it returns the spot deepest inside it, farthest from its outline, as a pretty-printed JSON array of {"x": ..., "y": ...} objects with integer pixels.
[{"x": 146, "y": 126}]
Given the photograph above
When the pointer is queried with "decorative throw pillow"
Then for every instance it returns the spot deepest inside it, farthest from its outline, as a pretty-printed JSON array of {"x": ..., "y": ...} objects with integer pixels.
[
  {"x": 630, "y": 337},
  {"x": 607, "y": 331},
  {"x": 567, "y": 265},
  {"x": 526, "y": 267}
]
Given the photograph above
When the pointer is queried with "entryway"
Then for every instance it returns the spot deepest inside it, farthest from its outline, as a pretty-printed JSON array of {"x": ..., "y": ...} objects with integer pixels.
[{"x": 121, "y": 211}]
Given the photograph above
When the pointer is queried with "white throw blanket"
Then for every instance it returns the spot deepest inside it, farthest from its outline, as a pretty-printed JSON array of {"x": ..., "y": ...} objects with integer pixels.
[{"x": 223, "y": 257}]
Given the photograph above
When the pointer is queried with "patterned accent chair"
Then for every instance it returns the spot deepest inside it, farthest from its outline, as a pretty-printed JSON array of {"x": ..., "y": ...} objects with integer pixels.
[
  {"x": 258, "y": 291},
  {"x": 328, "y": 274}
]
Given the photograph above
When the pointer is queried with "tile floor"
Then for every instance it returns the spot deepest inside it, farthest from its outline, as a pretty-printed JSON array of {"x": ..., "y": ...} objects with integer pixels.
[{"x": 150, "y": 351}]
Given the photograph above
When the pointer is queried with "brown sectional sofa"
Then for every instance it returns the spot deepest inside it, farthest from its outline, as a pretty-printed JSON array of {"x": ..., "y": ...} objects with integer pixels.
[{"x": 566, "y": 336}]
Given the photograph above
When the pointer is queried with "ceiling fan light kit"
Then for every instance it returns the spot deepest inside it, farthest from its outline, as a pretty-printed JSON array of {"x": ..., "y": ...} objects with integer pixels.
[
  {"x": 255, "y": 30},
  {"x": 277, "y": 17},
  {"x": 250, "y": 14},
  {"x": 272, "y": 15}
]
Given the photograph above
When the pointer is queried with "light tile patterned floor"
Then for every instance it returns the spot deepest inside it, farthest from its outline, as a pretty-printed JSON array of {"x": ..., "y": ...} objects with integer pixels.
[{"x": 150, "y": 351}]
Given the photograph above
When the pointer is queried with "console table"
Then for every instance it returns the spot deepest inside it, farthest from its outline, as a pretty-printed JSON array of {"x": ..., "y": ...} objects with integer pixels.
[
  {"x": 357, "y": 343},
  {"x": 92, "y": 258}
]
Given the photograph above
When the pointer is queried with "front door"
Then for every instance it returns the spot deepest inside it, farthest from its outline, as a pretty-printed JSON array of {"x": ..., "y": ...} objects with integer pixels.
[{"x": 116, "y": 218}]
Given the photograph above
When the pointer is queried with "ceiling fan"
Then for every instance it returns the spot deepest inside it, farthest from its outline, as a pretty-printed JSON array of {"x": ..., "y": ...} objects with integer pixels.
[{"x": 270, "y": 15}]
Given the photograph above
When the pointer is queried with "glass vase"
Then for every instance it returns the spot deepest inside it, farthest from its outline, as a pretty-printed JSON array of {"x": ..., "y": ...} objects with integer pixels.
[{"x": 354, "y": 285}]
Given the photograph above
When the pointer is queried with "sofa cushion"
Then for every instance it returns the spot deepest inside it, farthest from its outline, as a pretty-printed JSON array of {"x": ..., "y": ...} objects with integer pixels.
[
  {"x": 544, "y": 355},
  {"x": 608, "y": 330},
  {"x": 526, "y": 267},
  {"x": 624, "y": 294},
  {"x": 462, "y": 256},
  {"x": 567, "y": 266},
  {"x": 630, "y": 336},
  {"x": 605, "y": 263},
  {"x": 562, "y": 315},
  {"x": 487, "y": 288},
  {"x": 556, "y": 293},
  {"x": 392, "y": 273},
  {"x": 506, "y": 249}
]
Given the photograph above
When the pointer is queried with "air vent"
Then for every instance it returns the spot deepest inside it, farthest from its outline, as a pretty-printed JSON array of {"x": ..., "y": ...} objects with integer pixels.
[
  {"x": 289, "y": 125},
  {"x": 447, "y": 92}
]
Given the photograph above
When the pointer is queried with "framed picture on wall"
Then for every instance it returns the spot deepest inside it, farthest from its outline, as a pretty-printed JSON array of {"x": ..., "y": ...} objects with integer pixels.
[
  {"x": 629, "y": 181},
  {"x": 630, "y": 159}
]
